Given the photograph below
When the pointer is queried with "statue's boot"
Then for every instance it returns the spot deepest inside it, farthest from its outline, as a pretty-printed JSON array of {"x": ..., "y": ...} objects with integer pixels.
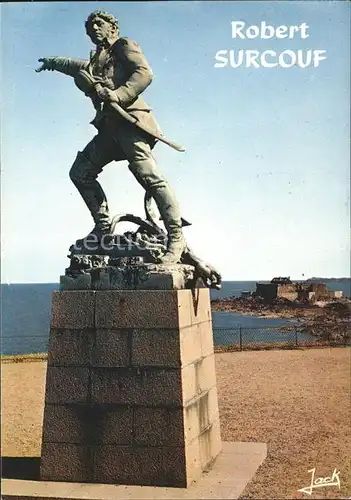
[
  {"x": 176, "y": 242},
  {"x": 83, "y": 174},
  {"x": 97, "y": 235},
  {"x": 146, "y": 173}
]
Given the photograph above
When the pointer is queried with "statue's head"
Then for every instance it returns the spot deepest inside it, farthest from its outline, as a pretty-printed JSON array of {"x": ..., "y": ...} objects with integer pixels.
[{"x": 101, "y": 27}]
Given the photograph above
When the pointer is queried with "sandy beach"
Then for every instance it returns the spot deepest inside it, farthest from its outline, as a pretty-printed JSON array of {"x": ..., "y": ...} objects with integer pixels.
[{"x": 298, "y": 402}]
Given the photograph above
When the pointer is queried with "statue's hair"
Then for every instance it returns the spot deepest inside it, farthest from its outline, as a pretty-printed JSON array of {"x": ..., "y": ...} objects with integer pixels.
[{"x": 103, "y": 15}]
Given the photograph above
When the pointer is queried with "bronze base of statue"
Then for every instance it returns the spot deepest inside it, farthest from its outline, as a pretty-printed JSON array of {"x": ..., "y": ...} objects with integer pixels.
[{"x": 133, "y": 261}]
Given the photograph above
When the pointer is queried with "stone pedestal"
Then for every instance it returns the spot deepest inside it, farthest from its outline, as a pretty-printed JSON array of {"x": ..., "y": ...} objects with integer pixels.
[{"x": 131, "y": 388}]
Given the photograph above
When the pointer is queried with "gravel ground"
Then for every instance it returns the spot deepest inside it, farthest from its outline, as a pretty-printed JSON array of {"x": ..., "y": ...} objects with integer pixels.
[
  {"x": 298, "y": 402},
  {"x": 23, "y": 387}
]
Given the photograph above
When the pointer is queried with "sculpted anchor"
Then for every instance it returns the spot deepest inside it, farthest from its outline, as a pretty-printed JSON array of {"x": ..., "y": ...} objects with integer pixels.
[{"x": 114, "y": 78}]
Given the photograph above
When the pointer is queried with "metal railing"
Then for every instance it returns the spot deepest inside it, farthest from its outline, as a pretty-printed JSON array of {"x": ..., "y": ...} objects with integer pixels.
[
  {"x": 228, "y": 339},
  {"x": 273, "y": 337}
]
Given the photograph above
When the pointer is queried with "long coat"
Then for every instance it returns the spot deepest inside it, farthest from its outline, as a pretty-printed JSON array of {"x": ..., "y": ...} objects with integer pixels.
[{"x": 125, "y": 70}]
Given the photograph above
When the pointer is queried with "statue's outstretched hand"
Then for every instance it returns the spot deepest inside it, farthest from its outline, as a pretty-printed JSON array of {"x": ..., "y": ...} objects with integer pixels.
[{"x": 47, "y": 64}]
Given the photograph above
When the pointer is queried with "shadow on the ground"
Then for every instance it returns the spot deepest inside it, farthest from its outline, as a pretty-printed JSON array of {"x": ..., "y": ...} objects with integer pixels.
[{"x": 21, "y": 468}]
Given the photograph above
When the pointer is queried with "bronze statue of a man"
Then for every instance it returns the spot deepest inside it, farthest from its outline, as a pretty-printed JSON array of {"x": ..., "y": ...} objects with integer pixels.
[{"x": 123, "y": 73}]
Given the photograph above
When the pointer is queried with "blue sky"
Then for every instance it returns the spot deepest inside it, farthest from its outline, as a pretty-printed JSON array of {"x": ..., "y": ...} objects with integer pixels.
[{"x": 265, "y": 176}]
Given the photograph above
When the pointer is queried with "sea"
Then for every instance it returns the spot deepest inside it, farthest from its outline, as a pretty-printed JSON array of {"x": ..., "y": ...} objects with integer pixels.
[{"x": 25, "y": 316}]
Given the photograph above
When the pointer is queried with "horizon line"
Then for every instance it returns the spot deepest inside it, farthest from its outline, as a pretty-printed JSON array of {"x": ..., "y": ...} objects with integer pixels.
[{"x": 224, "y": 281}]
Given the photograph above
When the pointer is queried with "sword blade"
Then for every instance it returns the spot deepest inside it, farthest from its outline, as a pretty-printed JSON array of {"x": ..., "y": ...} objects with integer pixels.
[{"x": 136, "y": 122}]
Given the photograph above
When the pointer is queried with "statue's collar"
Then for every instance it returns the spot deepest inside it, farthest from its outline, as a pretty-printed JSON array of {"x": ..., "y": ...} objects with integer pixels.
[{"x": 106, "y": 45}]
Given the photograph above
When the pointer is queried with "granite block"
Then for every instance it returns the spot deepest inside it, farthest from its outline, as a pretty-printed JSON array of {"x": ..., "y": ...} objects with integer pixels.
[
  {"x": 114, "y": 425},
  {"x": 206, "y": 332},
  {"x": 88, "y": 424},
  {"x": 210, "y": 444},
  {"x": 190, "y": 389},
  {"x": 200, "y": 414},
  {"x": 65, "y": 424},
  {"x": 200, "y": 305},
  {"x": 73, "y": 309},
  {"x": 157, "y": 466},
  {"x": 158, "y": 426},
  {"x": 66, "y": 385},
  {"x": 202, "y": 451},
  {"x": 148, "y": 387},
  {"x": 143, "y": 309},
  {"x": 155, "y": 347},
  {"x": 205, "y": 372},
  {"x": 112, "y": 347},
  {"x": 190, "y": 344},
  {"x": 192, "y": 460},
  {"x": 70, "y": 346},
  {"x": 198, "y": 377},
  {"x": 65, "y": 462}
]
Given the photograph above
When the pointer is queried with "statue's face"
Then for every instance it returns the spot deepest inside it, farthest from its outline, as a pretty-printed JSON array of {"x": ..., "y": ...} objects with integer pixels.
[{"x": 101, "y": 30}]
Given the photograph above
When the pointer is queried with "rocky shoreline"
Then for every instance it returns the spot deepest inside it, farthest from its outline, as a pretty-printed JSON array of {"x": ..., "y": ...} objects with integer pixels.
[
  {"x": 275, "y": 309},
  {"x": 328, "y": 319}
]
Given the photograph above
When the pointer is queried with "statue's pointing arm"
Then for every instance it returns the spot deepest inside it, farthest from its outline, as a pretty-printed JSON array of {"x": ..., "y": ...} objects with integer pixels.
[
  {"x": 65, "y": 65},
  {"x": 137, "y": 68}
]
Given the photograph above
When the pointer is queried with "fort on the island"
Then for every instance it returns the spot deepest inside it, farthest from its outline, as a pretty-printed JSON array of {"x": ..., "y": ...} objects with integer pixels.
[{"x": 285, "y": 288}]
